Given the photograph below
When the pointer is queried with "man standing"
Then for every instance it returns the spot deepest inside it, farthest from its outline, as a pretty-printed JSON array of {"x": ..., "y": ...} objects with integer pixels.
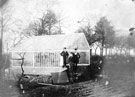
[
  {"x": 76, "y": 57},
  {"x": 65, "y": 54}
]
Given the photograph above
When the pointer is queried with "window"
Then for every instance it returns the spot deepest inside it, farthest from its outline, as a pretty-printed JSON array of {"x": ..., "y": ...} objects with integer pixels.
[
  {"x": 46, "y": 59},
  {"x": 85, "y": 57}
]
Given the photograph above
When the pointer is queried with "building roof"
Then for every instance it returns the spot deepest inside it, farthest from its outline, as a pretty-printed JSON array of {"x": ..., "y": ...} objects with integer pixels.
[{"x": 53, "y": 43}]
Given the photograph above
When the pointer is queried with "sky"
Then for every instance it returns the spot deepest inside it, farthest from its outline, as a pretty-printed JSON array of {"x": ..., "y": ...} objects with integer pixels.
[{"x": 121, "y": 13}]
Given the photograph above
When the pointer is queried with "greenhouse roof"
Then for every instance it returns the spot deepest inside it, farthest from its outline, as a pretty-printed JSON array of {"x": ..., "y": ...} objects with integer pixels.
[{"x": 52, "y": 43}]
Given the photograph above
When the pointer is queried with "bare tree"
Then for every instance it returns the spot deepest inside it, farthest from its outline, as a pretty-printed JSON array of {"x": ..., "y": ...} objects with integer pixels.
[
  {"x": 131, "y": 41},
  {"x": 95, "y": 46},
  {"x": 45, "y": 25},
  {"x": 87, "y": 30},
  {"x": 22, "y": 59},
  {"x": 121, "y": 43},
  {"x": 5, "y": 17},
  {"x": 92, "y": 38},
  {"x": 3, "y": 2}
]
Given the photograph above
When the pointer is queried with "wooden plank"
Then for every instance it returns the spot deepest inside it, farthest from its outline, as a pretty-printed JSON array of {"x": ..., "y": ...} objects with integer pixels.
[{"x": 46, "y": 84}]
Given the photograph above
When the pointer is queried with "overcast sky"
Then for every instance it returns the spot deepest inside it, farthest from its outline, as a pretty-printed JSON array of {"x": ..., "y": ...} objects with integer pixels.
[{"x": 121, "y": 13}]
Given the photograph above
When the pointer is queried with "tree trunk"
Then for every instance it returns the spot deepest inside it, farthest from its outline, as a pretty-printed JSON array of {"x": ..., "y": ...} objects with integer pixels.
[
  {"x": 120, "y": 51},
  {"x": 1, "y": 47},
  {"x": 96, "y": 50},
  {"x": 106, "y": 51},
  {"x": 102, "y": 48},
  {"x": 101, "y": 51},
  {"x": 110, "y": 51}
]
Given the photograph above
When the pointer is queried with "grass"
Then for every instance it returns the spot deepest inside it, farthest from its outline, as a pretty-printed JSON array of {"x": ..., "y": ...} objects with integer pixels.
[
  {"x": 119, "y": 66},
  {"x": 119, "y": 71}
]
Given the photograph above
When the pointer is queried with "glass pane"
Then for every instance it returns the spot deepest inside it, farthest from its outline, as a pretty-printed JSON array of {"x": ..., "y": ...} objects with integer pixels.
[
  {"x": 85, "y": 57},
  {"x": 47, "y": 59}
]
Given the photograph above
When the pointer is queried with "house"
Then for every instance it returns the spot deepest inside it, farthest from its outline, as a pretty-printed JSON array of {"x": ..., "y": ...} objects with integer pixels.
[{"x": 42, "y": 53}]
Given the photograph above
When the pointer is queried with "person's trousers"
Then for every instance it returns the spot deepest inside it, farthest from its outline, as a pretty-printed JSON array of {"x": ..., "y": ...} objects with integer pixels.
[
  {"x": 64, "y": 62},
  {"x": 75, "y": 67}
]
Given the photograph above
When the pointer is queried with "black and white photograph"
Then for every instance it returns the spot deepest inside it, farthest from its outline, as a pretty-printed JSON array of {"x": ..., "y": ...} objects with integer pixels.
[{"x": 67, "y": 48}]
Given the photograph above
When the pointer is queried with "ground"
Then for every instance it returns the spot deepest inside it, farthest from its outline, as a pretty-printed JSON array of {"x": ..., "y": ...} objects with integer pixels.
[{"x": 117, "y": 80}]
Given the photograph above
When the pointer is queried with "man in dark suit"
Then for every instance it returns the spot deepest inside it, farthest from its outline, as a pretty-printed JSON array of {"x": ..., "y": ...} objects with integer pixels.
[
  {"x": 65, "y": 54},
  {"x": 76, "y": 57}
]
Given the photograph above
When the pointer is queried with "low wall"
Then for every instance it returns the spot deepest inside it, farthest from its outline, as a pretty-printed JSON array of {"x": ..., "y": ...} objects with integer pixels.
[{"x": 14, "y": 71}]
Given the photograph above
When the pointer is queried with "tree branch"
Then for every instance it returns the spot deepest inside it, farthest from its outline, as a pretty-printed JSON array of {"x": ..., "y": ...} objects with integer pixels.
[{"x": 22, "y": 58}]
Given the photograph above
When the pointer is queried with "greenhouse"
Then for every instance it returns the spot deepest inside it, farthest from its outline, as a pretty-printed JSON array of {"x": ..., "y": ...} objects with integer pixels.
[{"x": 42, "y": 53}]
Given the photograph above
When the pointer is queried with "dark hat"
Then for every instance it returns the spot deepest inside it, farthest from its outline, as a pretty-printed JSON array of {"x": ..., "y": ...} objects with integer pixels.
[
  {"x": 131, "y": 29},
  {"x": 76, "y": 48}
]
